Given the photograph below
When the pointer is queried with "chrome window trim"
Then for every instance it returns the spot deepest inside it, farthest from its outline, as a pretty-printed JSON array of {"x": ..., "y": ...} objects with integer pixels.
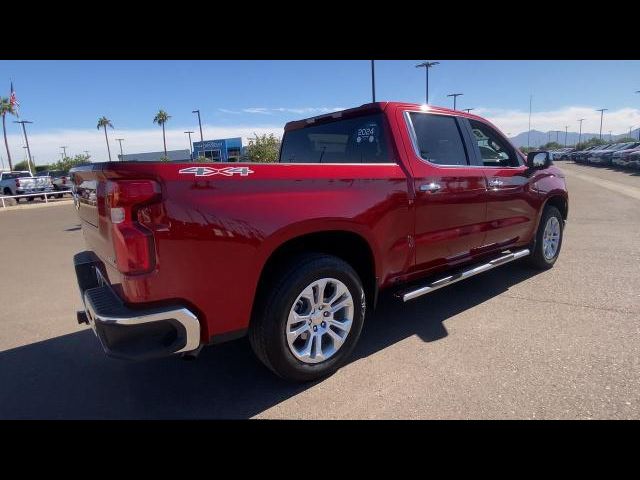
[{"x": 414, "y": 139}]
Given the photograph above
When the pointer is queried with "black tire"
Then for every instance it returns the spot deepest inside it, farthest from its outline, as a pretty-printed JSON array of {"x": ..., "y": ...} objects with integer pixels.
[
  {"x": 267, "y": 331},
  {"x": 537, "y": 258},
  {"x": 29, "y": 199}
]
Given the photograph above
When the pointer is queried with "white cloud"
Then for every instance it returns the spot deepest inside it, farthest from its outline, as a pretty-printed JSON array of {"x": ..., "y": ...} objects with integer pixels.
[
  {"x": 45, "y": 147},
  {"x": 517, "y": 121}
]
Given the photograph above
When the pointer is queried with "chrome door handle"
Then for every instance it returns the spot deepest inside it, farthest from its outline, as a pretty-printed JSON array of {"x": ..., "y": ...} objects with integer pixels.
[
  {"x": 495, "y": 183},
  {"x": 430, "y": 187}
]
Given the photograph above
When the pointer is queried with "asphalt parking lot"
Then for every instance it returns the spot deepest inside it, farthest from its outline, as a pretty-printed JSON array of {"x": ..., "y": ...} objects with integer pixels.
[{"x": 511, "y": 343}]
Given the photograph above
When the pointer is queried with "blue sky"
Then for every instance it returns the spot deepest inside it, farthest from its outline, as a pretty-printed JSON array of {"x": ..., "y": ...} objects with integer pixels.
[{"x": 65, "y": 98}]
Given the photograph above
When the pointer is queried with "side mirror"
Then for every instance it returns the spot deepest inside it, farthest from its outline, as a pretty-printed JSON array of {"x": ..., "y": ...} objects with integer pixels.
[{"x": 538, "y": 160}]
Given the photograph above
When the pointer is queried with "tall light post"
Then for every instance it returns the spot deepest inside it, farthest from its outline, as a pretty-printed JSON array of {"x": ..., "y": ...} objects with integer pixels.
[
  {"x": 120, "y": 140},
  {"x": 566, "y": 129},
  {"x": 427, "y": 66},
  {"x": 580, "y": 134},
  {"x": 549, "y": 136},
  {"x": 602, "y": 110},
  {"x": 529, "y": 131},
  {"x": 455, "y": 96},
  {"x": 468, "y": 109},
  {"x": 610, "y": 135},
  {"x": 26, "y": 140},
  {"x": 64, "y": 151},
  {"x": 373, "y": 81},
  {"x": 199, "y": 124},
  {"x": 638, "y": 91},
  {"x": 190, "y": 147},
  {"x": 86, "y": 152}
]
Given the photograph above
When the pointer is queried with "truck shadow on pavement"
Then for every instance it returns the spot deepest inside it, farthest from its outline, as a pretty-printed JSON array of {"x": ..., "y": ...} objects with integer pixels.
[{"x": 68, "y": 377}]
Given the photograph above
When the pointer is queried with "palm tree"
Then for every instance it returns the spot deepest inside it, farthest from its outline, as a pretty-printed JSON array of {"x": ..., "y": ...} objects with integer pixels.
[
  {"x": 6, "y": 107},
  {"x": 104, "y": 122},
  {"x": 161, "y": 118}
]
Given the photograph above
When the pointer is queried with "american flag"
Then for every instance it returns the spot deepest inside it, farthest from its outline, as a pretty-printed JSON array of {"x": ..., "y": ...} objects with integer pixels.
[{"x": 12, "y": 99}]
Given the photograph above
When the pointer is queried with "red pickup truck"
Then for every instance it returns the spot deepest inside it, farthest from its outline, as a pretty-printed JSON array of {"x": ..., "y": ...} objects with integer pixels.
[{"x": 384, "y": 196}]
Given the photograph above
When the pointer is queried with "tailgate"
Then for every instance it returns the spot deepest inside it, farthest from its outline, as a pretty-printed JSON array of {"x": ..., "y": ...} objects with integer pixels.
[{"x": 89, "y": 187}]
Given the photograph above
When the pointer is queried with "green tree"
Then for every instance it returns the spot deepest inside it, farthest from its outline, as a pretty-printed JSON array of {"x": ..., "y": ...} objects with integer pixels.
[
  {"x": 263, "y": 149},
  {"x": 551, "y": 146},
  {"x": 22, "y": 166},
  {"x": 161, "y": 118},
  {"x": 592, "y": 142},
  {"x": 68, "y": 163},
  {"x": 104, "y": 122},
  {"x": 6, "y": 107}
]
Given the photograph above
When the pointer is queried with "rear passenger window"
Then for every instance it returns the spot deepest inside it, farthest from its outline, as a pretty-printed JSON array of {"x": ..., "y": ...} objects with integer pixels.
[
  {"x": 438, "y": 139},
  {"x": 355, "y": 140}
]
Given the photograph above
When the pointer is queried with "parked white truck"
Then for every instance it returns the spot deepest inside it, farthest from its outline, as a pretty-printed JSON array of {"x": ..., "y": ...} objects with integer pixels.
[{"x": 22, "y": 182}]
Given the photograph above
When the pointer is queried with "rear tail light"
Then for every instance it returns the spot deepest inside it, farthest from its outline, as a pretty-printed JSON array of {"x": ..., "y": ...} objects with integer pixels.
[
  {"x": 17, "y": 182},
  {"x": 133, "y": 243}
]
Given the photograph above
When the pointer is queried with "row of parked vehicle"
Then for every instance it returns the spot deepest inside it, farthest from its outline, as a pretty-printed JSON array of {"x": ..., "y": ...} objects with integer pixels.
[
  {"x": 23, "y": 183},
  {"x": 623, "y": 155}
]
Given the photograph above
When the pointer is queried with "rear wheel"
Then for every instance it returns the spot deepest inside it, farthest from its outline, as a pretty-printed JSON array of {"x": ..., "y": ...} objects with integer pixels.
[
  {"x": 307, "y": 325},
  {"x": 548, "y": 239}
]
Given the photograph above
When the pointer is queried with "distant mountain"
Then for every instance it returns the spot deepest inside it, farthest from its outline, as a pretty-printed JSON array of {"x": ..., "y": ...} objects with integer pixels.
[{"x": 540, "y": 138}]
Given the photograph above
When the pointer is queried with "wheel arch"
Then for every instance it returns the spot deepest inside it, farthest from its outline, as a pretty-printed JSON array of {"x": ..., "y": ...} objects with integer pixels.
[{"x": 347, "y": 245}]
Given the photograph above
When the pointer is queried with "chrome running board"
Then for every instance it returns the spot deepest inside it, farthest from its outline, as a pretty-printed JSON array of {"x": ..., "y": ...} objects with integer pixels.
[{"x": 451, "y": 279}]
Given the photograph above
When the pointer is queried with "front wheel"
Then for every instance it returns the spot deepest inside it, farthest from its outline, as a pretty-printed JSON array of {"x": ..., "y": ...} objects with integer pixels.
[
  {"x": 548, "y": 239},
  {"x": 308, "y": 324}
]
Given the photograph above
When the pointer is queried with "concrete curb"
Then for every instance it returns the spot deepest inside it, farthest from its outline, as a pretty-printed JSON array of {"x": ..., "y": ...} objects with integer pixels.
[{"x": 36, "y": 205}]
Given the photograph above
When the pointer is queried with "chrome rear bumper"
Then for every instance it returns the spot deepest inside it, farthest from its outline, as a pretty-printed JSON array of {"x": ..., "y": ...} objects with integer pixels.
[{"x": 128, "y": 333}]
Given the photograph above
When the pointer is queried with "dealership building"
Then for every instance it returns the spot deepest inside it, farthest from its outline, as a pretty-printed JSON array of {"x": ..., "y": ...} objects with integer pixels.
[{"x": 223, "y": 150}]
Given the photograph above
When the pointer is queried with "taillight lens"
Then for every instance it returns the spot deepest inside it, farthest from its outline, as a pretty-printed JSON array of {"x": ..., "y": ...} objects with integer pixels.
[{"x": 133, "y": 243}]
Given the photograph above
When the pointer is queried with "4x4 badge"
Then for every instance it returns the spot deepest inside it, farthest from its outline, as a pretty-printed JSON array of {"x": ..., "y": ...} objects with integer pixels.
[{"x": 208, "y": 171}]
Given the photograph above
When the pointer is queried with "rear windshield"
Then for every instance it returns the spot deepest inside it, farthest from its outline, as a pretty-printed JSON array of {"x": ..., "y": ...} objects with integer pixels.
[
  {"x": 15, "y": 175},
  {"x": 354, "y": 140}
]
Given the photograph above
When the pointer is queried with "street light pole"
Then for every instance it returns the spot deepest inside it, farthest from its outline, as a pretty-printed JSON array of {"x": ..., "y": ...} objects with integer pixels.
[
  {"x": 427, "y": 66},
  {"x": 566, "y": 128},
  {"x": 602, "y": 110},
  {"x": 529, "y": 132},
  {"x": 468, "y": 109},
  {"x": 373, "y": 81},
  {"x": 26, "y": 140},
  {"x": 580, "y": 134},
  {"x": 121, "y": 154},
  {"x": 199, "y": 124},
  {"x": 64, "y": 150},
  {"x": 638, "y": 91},
  {"x": 455, "y": 97},
  {"x": 190, "y": 147}
]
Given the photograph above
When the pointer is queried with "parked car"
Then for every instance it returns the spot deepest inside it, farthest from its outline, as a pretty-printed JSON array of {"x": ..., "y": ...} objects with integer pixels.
[
  {"x": 621, "y": 157},
  {"x": 386, "y": 196},
  {"x": 603, "y": 157},
  {"x": 595, "y": 151},
  {"x": 59, "y": 179},
  {"x": 22, "y": 183},
  {"x": 561, "y": 154},
  {"x": 633, "y": 160},
  {"x": 580, "y": 155}
]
